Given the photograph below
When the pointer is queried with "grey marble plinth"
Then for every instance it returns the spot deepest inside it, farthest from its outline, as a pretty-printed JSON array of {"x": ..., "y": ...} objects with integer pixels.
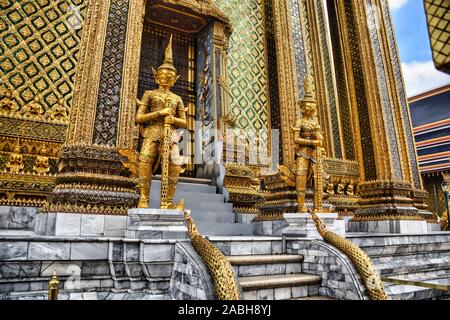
[
  {"x": 432, "y": 227},
  {"x": 389, "y": 226},
  {"x": 245, "y": 217},
  {"x": 16, "y": 218},
  {"x": 269, "y": 228},
  {"x": 156, "y": 224},
  {"x": 80, "y": 225},
  {"x": 302, "y": 225}
]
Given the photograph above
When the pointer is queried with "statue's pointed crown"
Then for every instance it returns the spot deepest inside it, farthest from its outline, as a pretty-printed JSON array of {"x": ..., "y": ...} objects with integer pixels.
[
  {"x": 168, "y": 57},
  {"x": 310, "y": 94}
]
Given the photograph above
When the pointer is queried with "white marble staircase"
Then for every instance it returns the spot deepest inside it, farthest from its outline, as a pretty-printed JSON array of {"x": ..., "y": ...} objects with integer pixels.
[
  {"x": 211, "y": 213},
  {"x": 264, "y": 273},
  {"x": 424, "y": 259}
]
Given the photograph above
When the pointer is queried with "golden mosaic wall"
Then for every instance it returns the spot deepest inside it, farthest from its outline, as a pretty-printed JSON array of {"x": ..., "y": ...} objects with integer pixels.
[
  {"x": 38, "y": 50},
  {"x": 438, "y": 18},
  {"x": 39, "y": 45},
  {"x": 247, "y": 62}
]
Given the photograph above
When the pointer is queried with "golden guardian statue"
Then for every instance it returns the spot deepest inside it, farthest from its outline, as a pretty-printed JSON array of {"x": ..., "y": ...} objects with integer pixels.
[
  {"x": 308, "y": 140},
  {"x": 160, "y": 113}
]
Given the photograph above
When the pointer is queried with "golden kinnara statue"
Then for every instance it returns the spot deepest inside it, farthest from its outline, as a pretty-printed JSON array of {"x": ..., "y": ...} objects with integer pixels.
[
  {"x": 42, "y": 162},
  {"x": 160, "y": 113},
  {"x": 34, "y": 109},
  {"x": 59, "y": 112},
  {"x": 15, "y": 163},
  {"x": 7, "y": 105},
  {"x": 308, "y": 139}
]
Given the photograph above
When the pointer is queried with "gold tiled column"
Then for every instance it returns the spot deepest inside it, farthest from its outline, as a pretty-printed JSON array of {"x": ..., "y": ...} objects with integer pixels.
[
  {"x": 391, "y": 187},
  {"x": 92, "y": 178}
]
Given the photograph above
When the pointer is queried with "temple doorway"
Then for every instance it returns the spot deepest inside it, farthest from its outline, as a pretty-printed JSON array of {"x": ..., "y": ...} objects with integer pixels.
[{"x": 160, "y": 22}]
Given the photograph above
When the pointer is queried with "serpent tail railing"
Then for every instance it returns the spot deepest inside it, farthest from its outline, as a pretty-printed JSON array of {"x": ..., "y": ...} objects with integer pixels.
[
  {"x": 361, "y": 261},
  {"x": 221, "y": 271}
]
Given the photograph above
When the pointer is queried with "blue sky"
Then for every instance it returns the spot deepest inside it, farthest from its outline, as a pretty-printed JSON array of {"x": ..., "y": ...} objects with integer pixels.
[{"x": 414, "y": 45}]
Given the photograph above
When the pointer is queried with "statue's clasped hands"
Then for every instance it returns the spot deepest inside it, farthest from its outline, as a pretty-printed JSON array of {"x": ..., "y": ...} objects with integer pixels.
[
  {"x": 168, "y": 114},
  {"x": 317, "y": 143}
]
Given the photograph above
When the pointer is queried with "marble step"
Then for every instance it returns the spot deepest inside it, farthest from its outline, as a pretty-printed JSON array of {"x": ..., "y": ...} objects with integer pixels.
[
  {"x": 264, "y": 259},
  {"x": 248, "y": 245},
  {"x": 184, "y": 187},
  {"x": 412, "y": 266},
  {"x": 402, "y": 257},
  {"x": 221, "y": 216},
  {"x": 286, "y": 293},
  {"x": 421, "y": 275},
  {"x": 260, "y": 265},
  {"x": 406, "y": 250},
  {"x": 186, "y": 180},
  {"x": 412, "y": 292},
  {"x": 267, "y": 269},
  {"x": 192, "y": 197},
  {"x": 195, "y": 197},
  {"x": 278, "y": 281},
  {"x": 223, "y": 229},
  {"x": 279, "y": 286},
  {"x": 382, "y": 245},
  {"x": 211, "y": 207},
  {"x": 314, "y": 298}
]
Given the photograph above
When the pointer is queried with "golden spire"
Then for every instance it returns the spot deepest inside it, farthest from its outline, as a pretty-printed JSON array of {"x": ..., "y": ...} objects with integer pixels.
[
  {"x": 310, "y": 94},
  {"x": 168, "y": 57}
]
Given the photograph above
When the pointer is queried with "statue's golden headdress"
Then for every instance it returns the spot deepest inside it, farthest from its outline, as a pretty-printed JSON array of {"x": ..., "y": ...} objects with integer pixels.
[
  {"x": 310, "y": 94},
  {"x": 308, "y": 100},
  {"x": 168, "y": 58}
]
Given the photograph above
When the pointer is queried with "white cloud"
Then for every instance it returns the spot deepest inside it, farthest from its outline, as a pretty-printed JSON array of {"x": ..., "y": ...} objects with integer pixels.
[
  {"x": 395, "y": 4},
  {"x": 422, "y": 76}
]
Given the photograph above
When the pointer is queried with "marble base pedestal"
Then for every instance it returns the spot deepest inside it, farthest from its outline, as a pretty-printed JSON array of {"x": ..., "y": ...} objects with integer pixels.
[
  {"x": 389, "y": 226},
  {"x": 302, "y": 225},
  {"x": 80, "y": 225},
  {"x": 433, "y": 227},
  {"x": 268, "y": 228},
  {"x": 156, "y": 224}
]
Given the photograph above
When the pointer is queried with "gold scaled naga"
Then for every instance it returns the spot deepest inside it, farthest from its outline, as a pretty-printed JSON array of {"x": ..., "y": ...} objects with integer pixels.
[
  {"x": 160, "y": 113},
  {"x": 308, "y": 140},
  {"x": 225, "y": 282},
  {"x": 361, "y": 261}
]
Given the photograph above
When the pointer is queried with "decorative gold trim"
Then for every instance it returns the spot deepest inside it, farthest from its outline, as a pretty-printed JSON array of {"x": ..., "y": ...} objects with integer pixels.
[{"x": 87, "y": 79}]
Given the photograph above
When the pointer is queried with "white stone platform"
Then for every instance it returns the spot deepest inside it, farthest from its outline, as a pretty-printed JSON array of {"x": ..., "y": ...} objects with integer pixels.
[
  {"x": 389, "y": 226},
  {"x": 156, "y": 224},
  {"x": 80, "y": 225},
  {"x": 269, "y": 228},
  {"x": 301, "y": 224},
  {"x": 139, "y": 224}
]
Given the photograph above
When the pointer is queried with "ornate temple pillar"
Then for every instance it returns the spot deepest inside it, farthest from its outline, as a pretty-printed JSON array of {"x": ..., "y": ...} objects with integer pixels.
[
  {"x": 362, "y": 104},
  {"x": 287, "y": 85},
  {"x": 391, "y": 187},
  {"x": 302, "y": 48},
  {"x": 92, "y": 177}
]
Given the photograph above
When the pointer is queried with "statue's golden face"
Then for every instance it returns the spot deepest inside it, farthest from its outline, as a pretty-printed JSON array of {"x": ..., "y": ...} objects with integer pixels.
[
  {"x": 166, "y": 77},
  {"x": 308, "y": 109}
]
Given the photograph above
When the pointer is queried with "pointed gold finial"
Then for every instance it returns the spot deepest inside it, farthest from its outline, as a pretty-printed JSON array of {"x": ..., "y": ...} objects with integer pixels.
[
  {"x": 168, "y": 57},
  {"x": 53, "y": 287},
  {"x": 309, "y": 88}
]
